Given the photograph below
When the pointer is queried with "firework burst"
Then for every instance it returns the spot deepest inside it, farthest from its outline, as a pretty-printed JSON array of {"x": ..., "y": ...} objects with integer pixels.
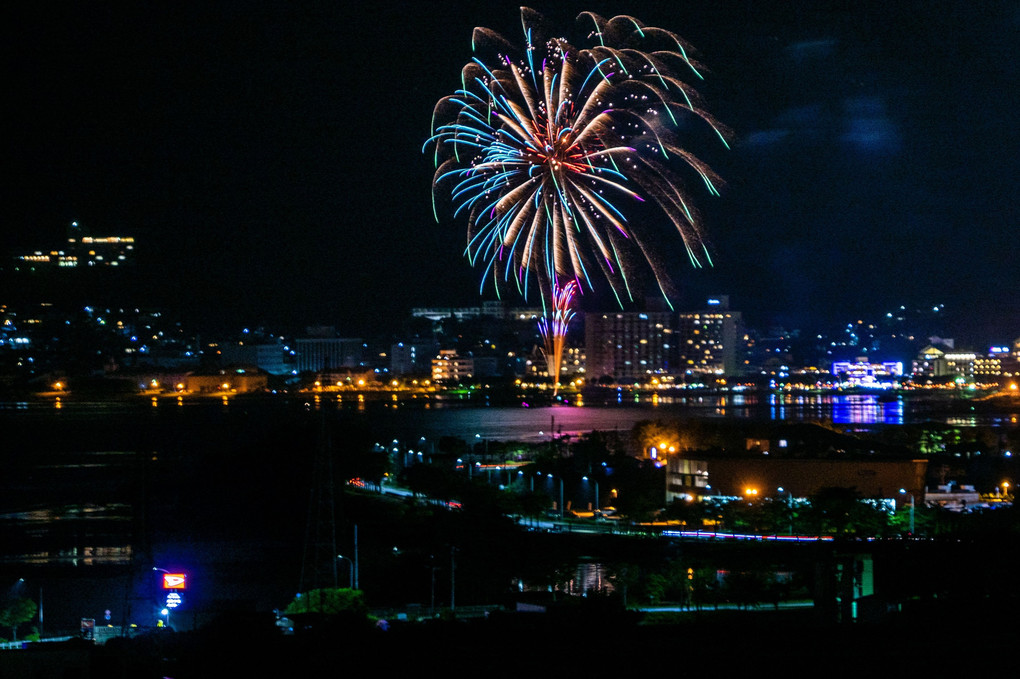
[{"x": 547, "y": 150}]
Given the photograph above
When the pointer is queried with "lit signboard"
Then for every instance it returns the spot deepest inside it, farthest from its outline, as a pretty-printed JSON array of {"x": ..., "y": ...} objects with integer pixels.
[
  {"x": 173, "y": 600},
  {"x": 174, "y": 581}
]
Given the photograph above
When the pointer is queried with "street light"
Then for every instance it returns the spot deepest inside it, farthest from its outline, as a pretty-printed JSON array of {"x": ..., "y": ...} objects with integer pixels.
[
  {"x": 595, "y": 505},
  {"x": 16, "y": 593},
  {"x": 350, "y": 572},
  {"x": 902, "y": 491},
  {"x": 485, "y": 458},
  {"x": 562, "y": 513},
  {"x": 166, "y": 612},
  {"x": 789, "y": 505}
]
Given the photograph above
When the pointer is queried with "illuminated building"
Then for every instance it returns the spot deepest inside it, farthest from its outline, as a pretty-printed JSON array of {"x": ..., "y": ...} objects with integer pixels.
[
  {"x": 686, "y": 479},
  {"x": 1009, "y": 359},
  {"x": 450, "y": 368},
  {"x": 932, "y": 362},
  {"x": 628, "y": 346},
  {"x": 268, "y": 357},
  {"x": 954, "y": 498},
  {"x": 84, "y": 251},
  {"x": 691, "y": 479},
  {"x": 10, "y": 335},
  {"x": 237, "y": 381},
  {"x": 491, "y": 310},
  {"x": 987, "y": 368},
  {"x": 708, "y": 342},
  {"x": 411, "y": 358},
  {"x": 959, "y": 363},
  {"x": 861, "y": 373},
  {"x": 574, "y": 361},
  {"x": 573, "y": 365},
  {"x": 317, "y": 354}
]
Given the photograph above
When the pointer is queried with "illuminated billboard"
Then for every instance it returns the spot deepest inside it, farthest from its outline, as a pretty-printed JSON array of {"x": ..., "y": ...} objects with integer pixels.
[{"x": 174, "y": 581}]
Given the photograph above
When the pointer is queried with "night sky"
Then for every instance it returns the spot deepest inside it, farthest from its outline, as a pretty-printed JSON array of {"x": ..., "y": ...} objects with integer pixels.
[{"x": 268, "y": 159}]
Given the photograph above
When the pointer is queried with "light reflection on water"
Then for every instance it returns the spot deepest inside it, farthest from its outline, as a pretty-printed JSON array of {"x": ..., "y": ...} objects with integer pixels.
[
  {"x": 858, "y": 409},
  {"x": 536, "y": 423},
  {"x": 837, "y": 408},
  {"x": 119, "y": 555},
  {"x": 408, "y": 418},
  {"x": 455, "y": 415},
  {"x": 589, "y": 578},
  {"x": 66, "y": 531},
  {"x": 112, "y": 511}
]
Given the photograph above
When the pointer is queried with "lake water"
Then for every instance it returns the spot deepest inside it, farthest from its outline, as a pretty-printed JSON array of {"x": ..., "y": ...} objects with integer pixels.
[
  {"x": 217, "y": 485},
  {"x": 409, "y": 418}
]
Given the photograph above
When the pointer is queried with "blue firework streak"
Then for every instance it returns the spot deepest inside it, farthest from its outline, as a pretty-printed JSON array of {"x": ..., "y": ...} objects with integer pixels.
[
  {"x": 554, "y": 326},
  {"x": 548, "y": 150},
  {"x": 557, "y": 322}
]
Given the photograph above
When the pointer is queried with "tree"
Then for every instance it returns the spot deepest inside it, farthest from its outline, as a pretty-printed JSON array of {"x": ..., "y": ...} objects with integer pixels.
[
  {"x": 844, "y": 512},
  {"x": 747, "y": 587},
  {"x": 19, "y": 611},
  {"x": 625, "y": 576},
  {"x": 528, "y": 503},
  {"x": 705, "y": 586},
  {"x": 936, "y": 439},
  {"x": 691, "y": 514},
  {"x": 656, "y": 434},
  {"x": 592, "y": 449},
  {"x": 329, "y": 601},
  {"x": 435, "y": 482},
  {"x": 671, "y": 583},
  {"x": 749, "y": 516}
]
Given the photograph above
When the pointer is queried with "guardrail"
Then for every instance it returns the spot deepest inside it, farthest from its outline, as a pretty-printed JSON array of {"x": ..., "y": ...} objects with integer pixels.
[
  {"x": 19, "y": 645},
  {"x": 416, "y": 613}
]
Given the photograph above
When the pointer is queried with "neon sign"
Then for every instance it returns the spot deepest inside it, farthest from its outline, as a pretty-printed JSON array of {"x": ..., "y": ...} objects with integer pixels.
[{"x": 174, "y": 581}]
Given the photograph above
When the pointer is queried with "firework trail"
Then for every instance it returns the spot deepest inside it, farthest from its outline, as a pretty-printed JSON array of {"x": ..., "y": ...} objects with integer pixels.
[
  {"x": 547, "y": 150},
  {"x": 553, "y": 328}
]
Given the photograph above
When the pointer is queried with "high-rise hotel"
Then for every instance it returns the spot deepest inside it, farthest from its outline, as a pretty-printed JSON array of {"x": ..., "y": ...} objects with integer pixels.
[
  {"x": 710, "y": 341},
  {"x": 628, "y": 346},
  {"x": 638, "y": 346}
]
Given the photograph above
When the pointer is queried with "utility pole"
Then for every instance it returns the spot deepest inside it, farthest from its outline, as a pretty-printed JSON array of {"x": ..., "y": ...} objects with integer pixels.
[
  {"x": 563, "y": 510},
  {"x": 432, "y": 596},
  {"x": 356, "y": 584},
  {"x": 319, "y": 567},
  {"x": 453, "y": 579}
]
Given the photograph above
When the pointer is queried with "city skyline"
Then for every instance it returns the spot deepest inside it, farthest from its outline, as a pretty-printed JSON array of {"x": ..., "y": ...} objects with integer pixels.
[{"x": 268, "y": 162}]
